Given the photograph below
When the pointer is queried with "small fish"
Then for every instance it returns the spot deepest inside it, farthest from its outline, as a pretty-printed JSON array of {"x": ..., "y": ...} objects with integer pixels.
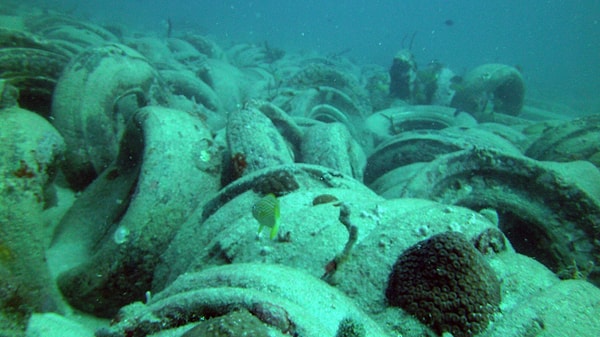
[{"x": 266, "y": 212}]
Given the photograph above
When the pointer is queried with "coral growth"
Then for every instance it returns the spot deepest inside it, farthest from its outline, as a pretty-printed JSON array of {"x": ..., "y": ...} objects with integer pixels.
[
  {"x": 279, "y": 182},
  {"x": 445, "y": 282},
  {"x": 24, "y": 171},
  {"x": 239, "y": 164},
  {"x": 350, "y": 328}
]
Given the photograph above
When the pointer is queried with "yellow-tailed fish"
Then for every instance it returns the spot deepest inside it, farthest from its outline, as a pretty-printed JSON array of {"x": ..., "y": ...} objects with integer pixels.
[{"x": 266, "y": 212}]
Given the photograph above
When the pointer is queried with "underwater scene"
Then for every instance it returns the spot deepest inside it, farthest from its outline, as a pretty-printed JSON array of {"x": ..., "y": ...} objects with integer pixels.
[{"x": 299, "y": 168}]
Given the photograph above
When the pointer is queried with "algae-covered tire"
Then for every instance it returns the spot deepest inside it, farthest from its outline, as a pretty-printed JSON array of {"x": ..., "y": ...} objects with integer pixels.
[
  {"x": 68, "y": 33},
  {"x": 254, "y": 142},
  {"x": 420, "y": 146},
  {"x": 30, "y": 149},
  {"x": 187, "y": 84},
  {"x": 317, "y": 76},
  {"x": 275, "y": 295},
  {"x": 385, "y": 124},
  {"x": 224, "y": 230},
  {"x": 331, "y": 145},
  {"x": 11, "y": 38},
  {"x": 568, "y": 141},
  {"x": 504, "y": 84},
  {"x": 121, "y": 224},
  {"x": 33, "y": 65},
  {"x": 330, "y": 105},
  {"x": 34, "y": 72},
  {"x": 548, "y": 210},
  {"x": 304, "y": 104},
  {"x": 93, "y": 100}
]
